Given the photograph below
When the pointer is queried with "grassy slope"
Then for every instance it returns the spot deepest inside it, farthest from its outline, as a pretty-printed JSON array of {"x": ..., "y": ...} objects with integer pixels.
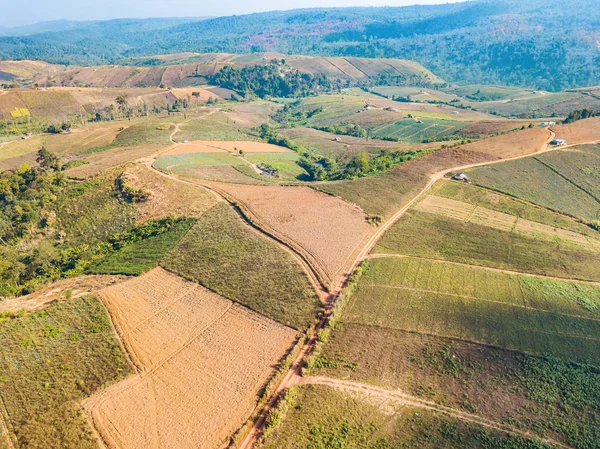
[
  {"x": 226, "y": 256},
  {"x": 138, "y": 257},
  {"x": 51, "y": 360},
  {"x": 326, "y": 418},
  {"x": 428, "y": 235}
]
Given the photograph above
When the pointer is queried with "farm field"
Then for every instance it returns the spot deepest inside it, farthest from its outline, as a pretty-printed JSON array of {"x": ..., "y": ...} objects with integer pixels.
[
  {"x": 330, "y": 416},
  {"x": 560, "y": 180},
  {"x": 433, "y": 236},
  {"x": 217, "y": 126},
  {"x": 327, "y": 231},
  {"x": 51, "y": 360},
  {"x": 419, "y": 130},
  {"x": 504, "y": 222},
  {"x": 455, "y": 312},
  {"x": 513, "y": 144},
  {"x": 228, "y": 257},
  {"x": 203, "y": 381},
  {"x": 219, "y": 146},
  {"x": 490, "y": 199},
  {"x": 491, "y": 383}
]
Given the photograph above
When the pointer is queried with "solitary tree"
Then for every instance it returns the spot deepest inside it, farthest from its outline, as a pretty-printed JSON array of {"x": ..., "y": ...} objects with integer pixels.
[{"x": 48, "y": 160}]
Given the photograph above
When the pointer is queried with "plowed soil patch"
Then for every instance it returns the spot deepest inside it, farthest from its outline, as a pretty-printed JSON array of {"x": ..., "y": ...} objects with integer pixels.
[
  {"x": 232, "y": 146},
  {"x": 203, "y": 361},
  {"x": 325, "y": 229},
  {"x": 167, "y": 196}
]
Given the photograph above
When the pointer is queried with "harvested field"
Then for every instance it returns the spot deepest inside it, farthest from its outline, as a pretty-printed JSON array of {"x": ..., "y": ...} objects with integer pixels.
[
  {"x": 498, "y": 220},
  {"x": 384, "y": 194},
  {"x": 212, "y": 146},
  {"x": 217, "y": 126},
  {"x": 113, "y": 157},
  {"x": 327, "y": 231},
  {"x": 489, "y": 128},
  {"x": 167, "y": 197},
  {"x": 581, "y": 131},
  {"x": 432, "y": 236},
  {"x": 62, "y": 290},
  {"x": 199, "y": 381},
  {"x": 516, "y": 143}
]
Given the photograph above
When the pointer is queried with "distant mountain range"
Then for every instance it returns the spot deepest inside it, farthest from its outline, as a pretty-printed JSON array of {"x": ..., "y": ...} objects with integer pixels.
[{"x": 534, "y": 43}]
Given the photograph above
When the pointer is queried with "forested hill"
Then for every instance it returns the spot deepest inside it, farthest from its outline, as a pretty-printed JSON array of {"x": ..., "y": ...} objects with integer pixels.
[{"x": 534, "y": 43}]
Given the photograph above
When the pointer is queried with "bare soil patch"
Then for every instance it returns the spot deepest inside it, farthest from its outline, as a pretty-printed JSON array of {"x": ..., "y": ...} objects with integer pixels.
[
  {"x": 199, "y": 381},
  {"x": 167, "y": 196},
  {"x": 326, "y": 230}
]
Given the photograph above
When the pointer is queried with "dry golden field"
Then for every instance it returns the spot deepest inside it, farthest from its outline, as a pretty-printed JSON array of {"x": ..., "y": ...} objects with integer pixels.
[
  {"x": 202, "y": 361},
  {"x": 324, "y": 229},
  {"x": 218, "y": 146}
]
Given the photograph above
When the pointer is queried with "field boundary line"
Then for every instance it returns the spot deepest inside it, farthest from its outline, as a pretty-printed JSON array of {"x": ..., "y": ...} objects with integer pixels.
[
  {"x": 483, "y": 267},
  {"x": 549, "y": 167},
  {"x": 406, "y": 399},
  {"x": 361, "y": 71},
  {"x": 475, "y": 298}
]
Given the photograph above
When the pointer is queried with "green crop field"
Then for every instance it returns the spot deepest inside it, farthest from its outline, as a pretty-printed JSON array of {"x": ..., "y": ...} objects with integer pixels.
[
  {"x": 227, "y": 256},
  {"x": 423, "y": 129},
  {"x": 50, "y": 361},
  {"x": 285, "y": 164},
  {"x": 433, "y": 236},
  {"x": 498, "y": 320},
  {"x": 136, "y": 258},
  {"x": 566, "y": 181},
  {"x": 181, "y": 162},
  {"x": 325, "y": 418},
  {"x": 414, "y": 93},
  {"x": 489, "y": 199}
]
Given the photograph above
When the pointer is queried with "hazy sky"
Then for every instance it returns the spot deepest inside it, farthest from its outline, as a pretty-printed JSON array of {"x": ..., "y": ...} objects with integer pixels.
[{"x": 15, "y": 13}]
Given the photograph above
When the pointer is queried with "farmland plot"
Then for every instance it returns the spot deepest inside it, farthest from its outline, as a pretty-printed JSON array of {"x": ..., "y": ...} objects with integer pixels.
[
  {"x": 504, "y": 222},
  {"x": 516, "y": 143},
  {"x": 562, "y": 181},
  {"x": 433, "y": 236},
  {"x": 199, "y": 381},
  {"x": 51, "y": 360},
  {"x": 325, "y": 230},
  {"x": 230, "y": 258},
  {"x": 338, "y": 416},
  {"x": 578, "y": 132},
  {"x": 444, "y": 300}
]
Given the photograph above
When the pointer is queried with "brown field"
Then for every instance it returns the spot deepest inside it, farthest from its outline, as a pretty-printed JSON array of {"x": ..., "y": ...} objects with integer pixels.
[
  {"x": 29, "y": 69},
  {"x": 167, "y": 197},
  {"x": 498, "y": 220},
  {"x": 581, "y": 131},
  {"x": 518, "y": 143},
  {"x": 324, "y": 229},
  {"x": 79, "y": 286},
  {"x": 198, "y": 381},
  {"x": 218, "y": 146},
  {"x": 92, "y": 136}
]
